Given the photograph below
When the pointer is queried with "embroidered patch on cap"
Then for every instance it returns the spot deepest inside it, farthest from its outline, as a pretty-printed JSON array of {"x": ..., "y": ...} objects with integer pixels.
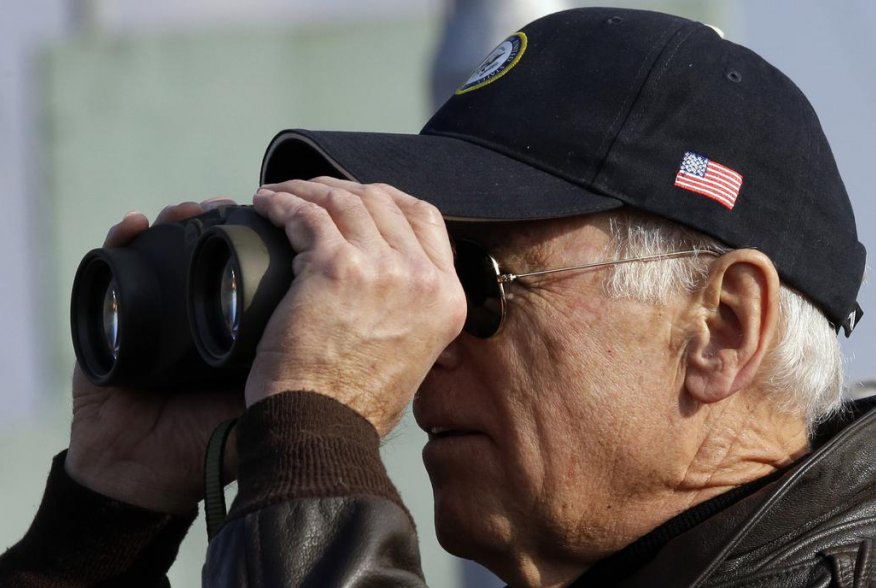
[
  {"x": 702, "y": 175},
  {"x": 499, "y": 62}
]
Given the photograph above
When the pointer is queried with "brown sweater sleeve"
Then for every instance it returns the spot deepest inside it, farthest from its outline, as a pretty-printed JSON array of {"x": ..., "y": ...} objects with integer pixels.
[
  {"x": 82, "y": 538},
  {"x": 305, "y": 445}
]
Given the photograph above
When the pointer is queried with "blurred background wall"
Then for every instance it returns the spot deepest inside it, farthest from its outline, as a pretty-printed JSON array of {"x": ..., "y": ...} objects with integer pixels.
[{"x": 108, "y": 106}]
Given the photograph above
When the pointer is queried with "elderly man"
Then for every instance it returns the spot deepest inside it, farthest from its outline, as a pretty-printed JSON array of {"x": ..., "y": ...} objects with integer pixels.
[{"x": 621, "y": 341}]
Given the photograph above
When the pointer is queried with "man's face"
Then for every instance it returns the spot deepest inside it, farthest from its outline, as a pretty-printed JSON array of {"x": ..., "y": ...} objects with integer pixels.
[{"x": 550, "y": 434}]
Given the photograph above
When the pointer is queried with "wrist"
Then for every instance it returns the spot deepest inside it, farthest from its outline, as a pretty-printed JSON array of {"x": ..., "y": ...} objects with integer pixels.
[
  {"x": 82, "y": 538},
  {"x": 266, "y": 380},
  {"x": 126, "y": 482},
  {"x": 322, "y": 447}
]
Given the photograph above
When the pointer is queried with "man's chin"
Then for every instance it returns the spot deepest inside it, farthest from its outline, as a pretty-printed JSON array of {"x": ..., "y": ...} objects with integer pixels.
[
  {"x": 467, "y": 528},
  {"x": 457, "y": 540}
]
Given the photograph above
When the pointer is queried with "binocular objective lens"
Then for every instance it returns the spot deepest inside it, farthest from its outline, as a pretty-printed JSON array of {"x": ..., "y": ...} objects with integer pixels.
[
  {"x": 228, "y": 300},
  {"x": 111, "y": 319}
]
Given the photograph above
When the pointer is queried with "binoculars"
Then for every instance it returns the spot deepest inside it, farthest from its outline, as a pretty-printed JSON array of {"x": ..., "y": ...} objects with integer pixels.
[{"x": 183, "y": 303}]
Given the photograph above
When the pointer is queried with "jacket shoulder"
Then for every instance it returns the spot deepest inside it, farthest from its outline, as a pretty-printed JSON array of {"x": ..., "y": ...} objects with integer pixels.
[{"x": 815, "y": 526}]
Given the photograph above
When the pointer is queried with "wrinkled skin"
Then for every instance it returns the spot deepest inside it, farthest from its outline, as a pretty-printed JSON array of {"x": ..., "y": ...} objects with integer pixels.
[{"x": 374, "y": 282}]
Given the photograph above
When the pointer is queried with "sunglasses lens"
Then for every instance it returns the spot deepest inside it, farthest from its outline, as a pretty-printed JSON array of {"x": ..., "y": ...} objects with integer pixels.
[{"x": 477, "y": 272}]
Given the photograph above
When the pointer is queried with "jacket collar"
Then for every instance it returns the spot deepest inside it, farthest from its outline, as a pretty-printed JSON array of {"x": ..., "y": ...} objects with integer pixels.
[{"x": 840, "y": 472}]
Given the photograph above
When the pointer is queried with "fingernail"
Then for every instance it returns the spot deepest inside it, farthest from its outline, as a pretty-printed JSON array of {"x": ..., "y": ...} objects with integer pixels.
[
  {"x": 133, "y": 213},
  {"x": 265, "y": 192}
]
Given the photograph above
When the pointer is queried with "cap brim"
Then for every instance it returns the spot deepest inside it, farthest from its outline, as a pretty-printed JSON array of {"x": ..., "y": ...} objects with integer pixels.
[{"x": 463, "y": 180}]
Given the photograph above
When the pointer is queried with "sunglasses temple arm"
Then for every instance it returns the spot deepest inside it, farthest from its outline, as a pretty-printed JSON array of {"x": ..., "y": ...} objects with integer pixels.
[{"x": 507, "y": 278}]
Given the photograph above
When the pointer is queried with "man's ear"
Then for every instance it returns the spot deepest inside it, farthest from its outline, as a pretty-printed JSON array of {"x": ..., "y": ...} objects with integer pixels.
[{"x": 735, "y": 321}]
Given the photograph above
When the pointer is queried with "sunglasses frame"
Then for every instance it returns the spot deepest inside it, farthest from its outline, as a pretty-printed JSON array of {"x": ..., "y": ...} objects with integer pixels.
[{"x": 508, "y": 277}]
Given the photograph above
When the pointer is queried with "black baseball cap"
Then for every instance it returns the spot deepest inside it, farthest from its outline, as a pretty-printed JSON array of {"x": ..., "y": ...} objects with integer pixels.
[{"x": 592, "y": 109}]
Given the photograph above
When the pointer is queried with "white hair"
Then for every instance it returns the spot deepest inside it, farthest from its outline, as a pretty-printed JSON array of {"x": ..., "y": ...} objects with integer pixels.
[{"x": 804, "y": 372}]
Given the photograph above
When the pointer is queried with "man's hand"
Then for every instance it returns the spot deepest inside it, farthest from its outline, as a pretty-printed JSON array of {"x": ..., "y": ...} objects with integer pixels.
[
  {"x": 146, "y": 447},
  {"x": 375, "y": 297}
]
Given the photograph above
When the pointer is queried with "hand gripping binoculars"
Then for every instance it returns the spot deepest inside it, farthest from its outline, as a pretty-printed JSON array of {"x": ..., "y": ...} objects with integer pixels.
[{"x": 183, "y": 303}]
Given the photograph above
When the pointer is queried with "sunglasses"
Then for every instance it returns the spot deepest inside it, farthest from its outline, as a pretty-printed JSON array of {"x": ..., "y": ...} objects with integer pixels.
[{"x": 484, "y": 282}]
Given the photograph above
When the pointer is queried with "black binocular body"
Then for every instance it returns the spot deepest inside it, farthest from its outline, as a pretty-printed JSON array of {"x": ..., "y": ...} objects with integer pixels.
[{"x": 183, "y": 303}]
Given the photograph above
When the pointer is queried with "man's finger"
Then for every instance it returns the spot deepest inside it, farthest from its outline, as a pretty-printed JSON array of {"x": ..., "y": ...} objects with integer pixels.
[
  {"x": 424, "y": 219},
  {"x": 346, "y": 209},
  {"x": 306, "y": 224},
  {"x": 178, "y": 212},
  {"x": 131, "y": 225},
  {"x": 216, "y": 202}
]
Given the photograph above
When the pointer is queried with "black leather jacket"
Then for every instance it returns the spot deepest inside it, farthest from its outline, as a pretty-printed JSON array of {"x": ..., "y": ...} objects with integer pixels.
[{"x": 813, "y": 526}]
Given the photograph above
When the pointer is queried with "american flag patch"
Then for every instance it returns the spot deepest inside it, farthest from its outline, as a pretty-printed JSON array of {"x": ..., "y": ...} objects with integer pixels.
[{"x": 702, "y": 175}]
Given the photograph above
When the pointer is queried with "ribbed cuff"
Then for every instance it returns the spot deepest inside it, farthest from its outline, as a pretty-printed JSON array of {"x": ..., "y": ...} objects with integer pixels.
[
  {"x": 306, "y": 445},
  {"x": 80, "y": 537}
]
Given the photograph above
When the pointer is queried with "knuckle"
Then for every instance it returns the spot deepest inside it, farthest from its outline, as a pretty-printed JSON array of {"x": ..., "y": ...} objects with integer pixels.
[
  {"x": 351, "y": 267},
  {"x": 287, "y": 186},
  {"x": 305, "y": 208},
  {"x": 428, "y": 212},
  {"x": 456, "y": 319},
  {"x": 395, "y": 272},
  {"x": 336, "y": 194},
  {"x": 338, "y": 198},
  {"x": 456, "y": 310},
  {"x": 307, "y": 211},
  {"x": 380, "y": 187},
  {"x": 425, "y": 280},
  {"x": 377, "y": 193}
]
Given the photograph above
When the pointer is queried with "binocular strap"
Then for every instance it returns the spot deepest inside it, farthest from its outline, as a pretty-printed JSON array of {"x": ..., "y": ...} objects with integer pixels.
[{"x": 214, "y": 486}]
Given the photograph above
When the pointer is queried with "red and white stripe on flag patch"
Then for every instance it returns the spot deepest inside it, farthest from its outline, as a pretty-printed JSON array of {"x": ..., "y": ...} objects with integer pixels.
[{"x": 702, "y": 175}]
